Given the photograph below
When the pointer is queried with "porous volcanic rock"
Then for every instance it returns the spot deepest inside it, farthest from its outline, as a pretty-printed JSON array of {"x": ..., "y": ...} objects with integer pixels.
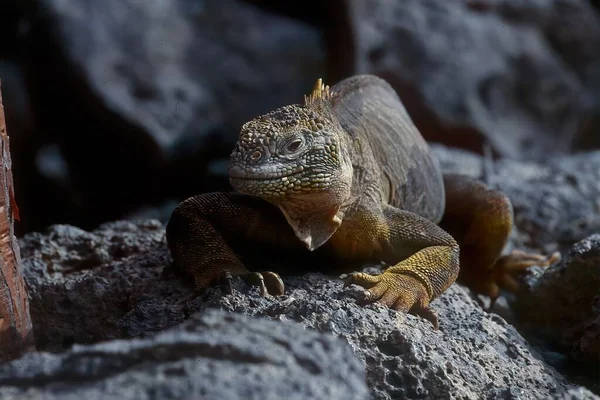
[{"x": 563, "y": 305}]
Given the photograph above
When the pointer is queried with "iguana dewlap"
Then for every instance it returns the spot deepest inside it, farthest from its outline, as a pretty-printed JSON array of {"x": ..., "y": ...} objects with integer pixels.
[{"x": 342, "y": 180}]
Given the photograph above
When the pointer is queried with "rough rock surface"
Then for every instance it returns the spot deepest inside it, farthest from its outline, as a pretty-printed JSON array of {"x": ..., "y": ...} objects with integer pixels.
[
  {"x": 563, "y": 305},
  {"x": 213, "y": 356},
  {"x": 91, "y": 286},
  {"x": 523, "y": 75},
  {"x": 83, "y": 285}
]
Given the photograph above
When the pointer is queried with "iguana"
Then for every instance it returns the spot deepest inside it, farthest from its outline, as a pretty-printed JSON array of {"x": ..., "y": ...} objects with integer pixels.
[{"x": 343, "y": 180}]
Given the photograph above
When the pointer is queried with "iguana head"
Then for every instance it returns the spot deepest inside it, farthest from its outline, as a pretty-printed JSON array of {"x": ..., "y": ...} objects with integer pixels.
[{"x": 294, "y": 157}]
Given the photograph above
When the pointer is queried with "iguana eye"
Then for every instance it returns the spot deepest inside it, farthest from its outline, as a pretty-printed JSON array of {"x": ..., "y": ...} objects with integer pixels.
[
  {"x": 256, "y": 155},
  {"x": 293, "y": 146}
]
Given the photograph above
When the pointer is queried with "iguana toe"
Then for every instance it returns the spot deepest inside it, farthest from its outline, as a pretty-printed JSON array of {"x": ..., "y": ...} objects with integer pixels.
[
  {"x": 226, "y": 281},
  {"x": 361, "y": 279},
  {"x": 273, "y": 283},
  {"x": 518, "y": 260},
  {"x": 506, "y": 269},
  {"x": 427, "y": 313},
  {"x": 267, "y": 281}
]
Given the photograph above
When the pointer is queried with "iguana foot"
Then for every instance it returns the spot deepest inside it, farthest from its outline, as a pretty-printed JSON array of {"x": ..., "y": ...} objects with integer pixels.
[
  {"x": 396, "y": 290},
  {"x": 505, "y": 270},
  {"x": 267, "y": 281}
]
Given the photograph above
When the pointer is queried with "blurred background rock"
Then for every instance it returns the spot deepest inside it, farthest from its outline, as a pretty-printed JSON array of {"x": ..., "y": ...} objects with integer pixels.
[{"x": 121, "y": 108}]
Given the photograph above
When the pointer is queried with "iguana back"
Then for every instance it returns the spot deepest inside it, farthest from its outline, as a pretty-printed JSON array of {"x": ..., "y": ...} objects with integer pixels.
[{"x": 388, "y": 146}]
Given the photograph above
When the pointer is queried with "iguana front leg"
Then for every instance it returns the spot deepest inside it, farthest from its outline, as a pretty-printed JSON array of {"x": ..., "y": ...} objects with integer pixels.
[
  {"x": 207, "y": 233},
  {"x": 424, "y": 260}
]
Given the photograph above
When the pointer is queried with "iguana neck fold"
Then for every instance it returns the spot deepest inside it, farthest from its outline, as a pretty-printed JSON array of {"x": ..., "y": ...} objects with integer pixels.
[{"x": 313, "y": 229}]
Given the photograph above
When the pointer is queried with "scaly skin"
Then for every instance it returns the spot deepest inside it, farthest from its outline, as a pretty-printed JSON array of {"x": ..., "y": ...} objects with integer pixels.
[{"x": 342, "y": 180}]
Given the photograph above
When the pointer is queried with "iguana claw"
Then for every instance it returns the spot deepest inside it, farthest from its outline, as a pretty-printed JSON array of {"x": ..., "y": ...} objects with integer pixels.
[
  {"x": 427, "y": 313},
  {"x": 267, "y": 281},
  {"x": 226, "y": 282}
]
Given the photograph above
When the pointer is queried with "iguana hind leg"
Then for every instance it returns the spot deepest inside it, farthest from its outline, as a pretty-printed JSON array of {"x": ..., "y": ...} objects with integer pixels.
[
  {"x": 481, "y": 220},
  {"x": 206, "y": 233},
  {"x": 423, "y": 259}
]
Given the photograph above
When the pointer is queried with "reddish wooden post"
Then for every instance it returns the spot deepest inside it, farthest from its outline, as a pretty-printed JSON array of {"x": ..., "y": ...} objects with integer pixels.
[{"x": 16, "y": 332}]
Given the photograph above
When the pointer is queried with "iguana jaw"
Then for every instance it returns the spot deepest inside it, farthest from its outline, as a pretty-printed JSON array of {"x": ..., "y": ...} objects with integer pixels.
[
  {"x": 262, "y": 173},
  {"x": 314, "y": 215},
  {"x": 312, "y": 202}
]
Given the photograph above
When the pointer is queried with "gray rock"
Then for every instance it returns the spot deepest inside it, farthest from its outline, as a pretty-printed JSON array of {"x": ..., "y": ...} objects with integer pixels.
[
  {"x": 521, "y": 75},
  {"x": 181, "y": 70},
  {"x": 214, "y": 356},
  {"x": 91, "y": 286},
  {"x": 83, "y": 285},
  {"x": 563, "y": 305}
]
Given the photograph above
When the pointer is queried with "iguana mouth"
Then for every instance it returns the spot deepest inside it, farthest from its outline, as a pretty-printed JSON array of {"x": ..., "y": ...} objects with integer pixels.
[{"x": 237, "y": 172}]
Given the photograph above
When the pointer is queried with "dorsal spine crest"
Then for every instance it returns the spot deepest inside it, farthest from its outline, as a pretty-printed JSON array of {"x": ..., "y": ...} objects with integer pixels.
[{"x": 319, "y": 92}]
